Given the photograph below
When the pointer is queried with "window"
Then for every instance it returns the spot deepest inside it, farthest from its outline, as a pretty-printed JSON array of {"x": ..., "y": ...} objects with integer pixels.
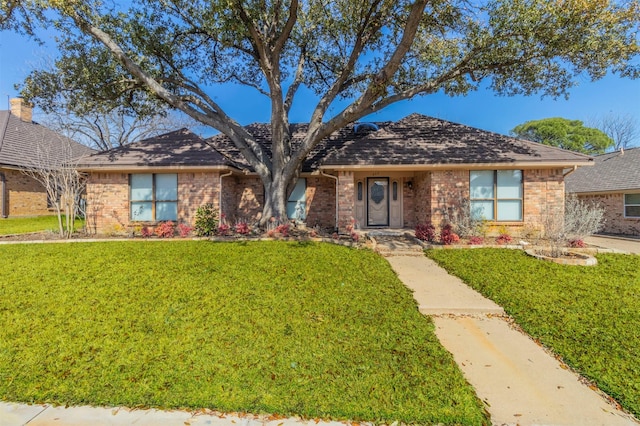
[
  {"x": 154, "y": 197},
  {"x": 297, "y": 203},
  {"x": 632, "y": 205},
  {"x": 359, "y": 190},
  {"x": 496, "y": 194},
  {"x": 395, "y": 191}
]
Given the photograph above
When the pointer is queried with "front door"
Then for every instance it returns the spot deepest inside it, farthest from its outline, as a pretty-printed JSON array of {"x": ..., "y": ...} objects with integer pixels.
[{"x": 378, "y": 201}]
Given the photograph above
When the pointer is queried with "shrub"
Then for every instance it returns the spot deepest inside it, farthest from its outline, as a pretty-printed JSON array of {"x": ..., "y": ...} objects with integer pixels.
[
  {"x": 577, "y": 243},
  {"x": 242, "y": 228},
  {"x": 447, "y": 236},
  {"x": 355, "y": 237},
  {"x": 425, "y": 232},
  {"x": 582, "y": 218},
  {"x": 165, "y": 229},
  {"x": 206, "y": 220},
  {"x": 503, "y": 239},
  {"x": 283, "y": 229},
  {"x": 146, "y": 231},
  {"x": 223, "y": 229},
  {"x": 476, "y": 241},
  {"x": 184, "y": 230}
]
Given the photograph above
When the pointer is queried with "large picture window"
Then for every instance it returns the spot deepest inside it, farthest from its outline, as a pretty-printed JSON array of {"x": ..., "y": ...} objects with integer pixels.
[
  {"x": 632, "y": 205},
  {"x": 153, "y": 197},
  {"x": 496, "y": 194},
  {"x": 297, "y": 203}
]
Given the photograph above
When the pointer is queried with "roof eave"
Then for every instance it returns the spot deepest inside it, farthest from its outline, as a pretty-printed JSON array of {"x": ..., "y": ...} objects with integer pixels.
[
  {"x": 461, "y": 166},
  {"x": 135, "y": 168}
]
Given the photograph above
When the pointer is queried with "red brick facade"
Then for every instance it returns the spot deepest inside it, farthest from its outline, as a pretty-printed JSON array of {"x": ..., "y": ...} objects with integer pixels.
[
  {"x": 429, "y": 196},
  {"x": 615, "y": 222},
  {"x": 23, "y": 195}
]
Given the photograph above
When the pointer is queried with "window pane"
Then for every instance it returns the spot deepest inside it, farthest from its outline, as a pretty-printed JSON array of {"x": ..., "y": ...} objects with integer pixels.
[
  {"x": 296, "y": 210},
  {"x": 510, "y": 210},
  {"x": 632, "y": 199},
  {"x": 509, "y": 184},
  {"x": 166, "y": 211},
  {"x": 395, "y": 191},
  {"x": 359, "y": 191},
  {"x": 632, "y": 211},
  {"x": 141, "y": 211},
  {"x": 141, "y": 187},
  {"x": 167, "y": 187},
  {"x": 481, "y": 184},
  {"x": 482, "y": 210},
  {"x": 299, "y": 192}
]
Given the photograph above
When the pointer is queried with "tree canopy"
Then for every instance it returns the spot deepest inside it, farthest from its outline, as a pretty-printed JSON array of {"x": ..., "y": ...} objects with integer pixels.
[
  {"x": 371, "y": 53},
  {"x": 566, "y": 134}
]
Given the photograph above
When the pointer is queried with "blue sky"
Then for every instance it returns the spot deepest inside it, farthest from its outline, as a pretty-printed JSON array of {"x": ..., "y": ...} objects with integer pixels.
[{"x": 481, "y": 109}]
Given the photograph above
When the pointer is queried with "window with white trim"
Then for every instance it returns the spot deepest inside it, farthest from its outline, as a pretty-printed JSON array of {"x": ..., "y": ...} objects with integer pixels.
[
  {"x": 496, "y": 195},
  {"x": 632, "y": 205},
  {"x": 153, "y": 197}
]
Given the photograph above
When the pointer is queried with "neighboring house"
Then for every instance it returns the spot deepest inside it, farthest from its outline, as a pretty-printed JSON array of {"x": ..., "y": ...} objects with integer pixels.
[
  {"x": 614, "y": 182},
  {"x": 380, "y": 175},
  {"x": 23, "y": 145}
]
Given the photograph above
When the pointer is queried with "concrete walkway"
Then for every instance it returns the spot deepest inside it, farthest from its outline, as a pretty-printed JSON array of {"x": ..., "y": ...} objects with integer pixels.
[
  {"x": 629, "y": 245},
  {"x": 518, "y": 380}
]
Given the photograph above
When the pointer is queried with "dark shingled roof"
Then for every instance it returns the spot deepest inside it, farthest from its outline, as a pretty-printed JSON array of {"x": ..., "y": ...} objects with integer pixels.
[
  {"x": 414, "y": 140},
  {"x": 418, "y": 139},
  {"x": 617, "y": 171},
  {"x": 178, "y": 148},
  {"x": 28, "y": 144}
]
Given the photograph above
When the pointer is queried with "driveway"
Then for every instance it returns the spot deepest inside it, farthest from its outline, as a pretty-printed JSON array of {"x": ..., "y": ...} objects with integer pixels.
[{"x": 631, "y": 245}]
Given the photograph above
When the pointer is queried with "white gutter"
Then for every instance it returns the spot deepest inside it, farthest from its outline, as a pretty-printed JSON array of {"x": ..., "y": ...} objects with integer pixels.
[
  {"x": 322, "y": 173},
  {"x": 220, "y": 193},
  {"x": 573, "y": 169}
]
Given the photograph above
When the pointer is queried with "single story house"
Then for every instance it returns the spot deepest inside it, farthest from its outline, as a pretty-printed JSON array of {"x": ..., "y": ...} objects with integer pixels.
[
  {"x": 25, "y": 144},
  {"x": 614, "y": 183},
  {"x": 378, "y": 175}
]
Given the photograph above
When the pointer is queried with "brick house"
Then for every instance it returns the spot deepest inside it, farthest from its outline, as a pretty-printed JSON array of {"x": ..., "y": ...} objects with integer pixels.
[
  {"x": 614, "y": 183},
  {"x": 381, "y": 175},
  {"x": 26, "y": 144}
]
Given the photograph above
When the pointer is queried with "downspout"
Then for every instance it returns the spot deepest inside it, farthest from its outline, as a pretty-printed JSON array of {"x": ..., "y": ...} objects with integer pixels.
[
  {"x": 220, "y": 192},
  {"x": 3, "y": 195},
  {"x": 335, "y": 178},
  {"x": 564, "y": 175}
]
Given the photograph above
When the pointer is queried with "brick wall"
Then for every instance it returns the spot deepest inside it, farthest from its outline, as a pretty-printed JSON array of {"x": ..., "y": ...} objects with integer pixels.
[
  {"x": 242, "y": 198},
  {"x": 107, "y": 203},
  {"x": 321, "y": 202},
  {"x": 194, "y": 190},
  {"x": 448, "y": 189},
  {"x": 615, "y": 222},
  {"x": 25, "y": 196},
  {"x": 408, "y": 203},
  {"x": 422, "y": 200},
  {"x": 346, "y": 199},
  {"x": 543, "y": 195}
]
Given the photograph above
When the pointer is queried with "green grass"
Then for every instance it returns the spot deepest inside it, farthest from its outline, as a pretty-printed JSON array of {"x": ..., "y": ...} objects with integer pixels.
[
  {"x": 317, "y": 330},
  {"x": 588, "y": 315},
  {"x": 22, "y": 225}
]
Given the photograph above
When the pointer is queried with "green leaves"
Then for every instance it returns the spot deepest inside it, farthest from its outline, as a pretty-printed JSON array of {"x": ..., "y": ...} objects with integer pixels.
[{"x": 566, "y": 134}]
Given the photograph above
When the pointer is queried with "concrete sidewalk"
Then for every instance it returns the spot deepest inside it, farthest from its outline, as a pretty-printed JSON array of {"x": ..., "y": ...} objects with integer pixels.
[{"x": 518, "y": 380}]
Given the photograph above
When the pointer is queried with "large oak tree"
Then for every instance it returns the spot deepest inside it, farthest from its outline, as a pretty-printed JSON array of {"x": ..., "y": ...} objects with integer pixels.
[{"x": 372, "y": 53}]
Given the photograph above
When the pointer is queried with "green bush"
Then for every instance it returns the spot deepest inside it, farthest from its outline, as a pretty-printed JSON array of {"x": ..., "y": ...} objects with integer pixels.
[{"x": 206, "y": 220}]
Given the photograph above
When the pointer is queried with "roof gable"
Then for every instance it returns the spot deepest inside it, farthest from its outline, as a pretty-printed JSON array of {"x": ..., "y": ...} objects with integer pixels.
[
  {"x": 180, "y": 148},
  {"x": 616, "y": 171},
  {"x": 418, "y": 139},
  {"x": 29, "y": 144}
]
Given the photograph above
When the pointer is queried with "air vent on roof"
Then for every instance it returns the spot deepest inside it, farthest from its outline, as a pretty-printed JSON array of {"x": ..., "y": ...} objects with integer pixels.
[{"x": 364, "y": 128}]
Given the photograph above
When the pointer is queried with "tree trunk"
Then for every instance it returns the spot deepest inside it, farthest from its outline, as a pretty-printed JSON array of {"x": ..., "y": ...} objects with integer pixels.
[{"x": 276, "y": 194}]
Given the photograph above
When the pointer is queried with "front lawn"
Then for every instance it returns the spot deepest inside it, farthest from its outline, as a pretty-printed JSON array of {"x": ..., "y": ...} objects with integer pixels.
[
  {"x": 22, "y": 225},
  {"x": 588, "y": 315},
  {"x": 317, "y": 330}
]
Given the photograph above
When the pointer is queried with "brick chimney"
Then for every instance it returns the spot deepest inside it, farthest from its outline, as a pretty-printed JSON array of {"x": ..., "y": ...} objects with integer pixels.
[{"x": 21, "y": 109}]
